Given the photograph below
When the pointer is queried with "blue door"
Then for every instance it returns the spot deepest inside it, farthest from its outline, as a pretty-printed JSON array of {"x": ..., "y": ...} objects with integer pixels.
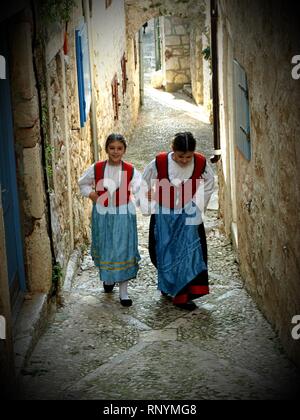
[{"x": 8, "y": 185}]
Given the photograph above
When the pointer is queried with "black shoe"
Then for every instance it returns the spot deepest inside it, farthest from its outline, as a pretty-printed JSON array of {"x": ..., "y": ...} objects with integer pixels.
[
  {"x": 126, "y": 302},
  {"x": 108, "y": 288},
  {"x": 190, "y": 306},
  {"x": 164, "y": 294}
]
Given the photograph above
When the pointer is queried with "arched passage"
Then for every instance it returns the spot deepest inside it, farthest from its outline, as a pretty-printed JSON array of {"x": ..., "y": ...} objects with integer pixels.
[{"x": 185, "y": 34}]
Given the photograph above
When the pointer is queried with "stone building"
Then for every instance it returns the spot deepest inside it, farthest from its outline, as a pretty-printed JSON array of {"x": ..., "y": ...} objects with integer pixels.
[
  {"x": 184, "y": 36},
  {"x": 72, "y": 75},
  {"x": 70, "y": 80},
  {"x": 259, "y": 134}
]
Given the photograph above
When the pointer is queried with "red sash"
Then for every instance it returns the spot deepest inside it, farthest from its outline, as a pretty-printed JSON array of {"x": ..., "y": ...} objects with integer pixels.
[
  {"x": 122, "y": 194},
  {"x": 166, "y": 191}
]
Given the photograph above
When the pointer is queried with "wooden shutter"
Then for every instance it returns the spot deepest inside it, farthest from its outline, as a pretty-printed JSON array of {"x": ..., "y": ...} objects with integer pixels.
[
  {"x": 115, "y": 96},
  {"x": 242, "y": 112},
  {"x": 124, "y": 73}
]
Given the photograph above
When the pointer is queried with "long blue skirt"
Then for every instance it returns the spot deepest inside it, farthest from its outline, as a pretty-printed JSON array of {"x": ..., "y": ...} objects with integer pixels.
[
  {"x": 178, "y": 251},
  {"x": 115, "y": 243}
]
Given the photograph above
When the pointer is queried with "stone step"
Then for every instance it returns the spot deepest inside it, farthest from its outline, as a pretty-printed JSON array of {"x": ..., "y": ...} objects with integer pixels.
[{"x": 187, "y": 89}]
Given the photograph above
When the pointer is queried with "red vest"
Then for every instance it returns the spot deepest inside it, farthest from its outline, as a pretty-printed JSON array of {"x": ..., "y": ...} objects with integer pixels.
[
  {"x": 166, "y": 191},
  {"x": 122, "y": 194}
]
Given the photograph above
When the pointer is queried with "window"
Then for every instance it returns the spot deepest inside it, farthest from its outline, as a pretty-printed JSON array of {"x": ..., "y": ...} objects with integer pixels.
[
  {"x": 242, "y": 112},
  {"x": 124, "y": 74},
  {"x": 83, "y": 73},
  {"x": 115, "y": 96}
]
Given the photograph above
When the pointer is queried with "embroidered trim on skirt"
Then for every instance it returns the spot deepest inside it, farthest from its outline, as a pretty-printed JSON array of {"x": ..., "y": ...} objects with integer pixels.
[
  {"x": 179, "y": 252},
  {"x": 115, "y": 243}
]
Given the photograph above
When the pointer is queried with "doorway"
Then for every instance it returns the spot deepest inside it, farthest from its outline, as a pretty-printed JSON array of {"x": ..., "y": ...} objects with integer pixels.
[{"x": 9, "y": 191}]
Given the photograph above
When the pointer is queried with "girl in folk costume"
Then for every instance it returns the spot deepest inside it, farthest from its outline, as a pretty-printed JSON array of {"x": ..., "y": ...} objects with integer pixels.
[
  {"x": 110, "y": 185},
  {"x": 182, "y": 183}
]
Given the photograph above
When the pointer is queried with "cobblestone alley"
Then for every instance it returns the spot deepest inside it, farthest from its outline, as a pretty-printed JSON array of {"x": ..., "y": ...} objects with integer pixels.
[{"x": 95, "y": 349}]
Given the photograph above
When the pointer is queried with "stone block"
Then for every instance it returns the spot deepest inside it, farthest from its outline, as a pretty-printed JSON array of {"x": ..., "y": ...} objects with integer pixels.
[
  {"x": 180, "y": 30},
  {"x": 33, "y": 181},
  {"x": 23, "y": 77},
  {"x": 172, "y": 64},
  {"x": 173, "y": 40},
  {"x": 39, "y": 259},
  {"x": 185, "y": 40},
  {"x": 182, "y": 78},
  {"x": 26, "y": 113},
  {"x": 28, "y": 137},
  {"x": 185, "y": 62}
]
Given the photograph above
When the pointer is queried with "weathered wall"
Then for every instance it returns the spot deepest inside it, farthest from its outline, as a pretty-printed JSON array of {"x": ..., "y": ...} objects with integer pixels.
[
  {"x": 177, "y": 52},
  {"x": 140, "y": 11},
  {"x": 201, "y": 76},
  {"x": 265, "y": 37},
  {"x": 26, "y": 113},
  {"x": 68, "y": 147},
  {"x": 110, "y": 44},
  {"x": 7, "y": 377}
]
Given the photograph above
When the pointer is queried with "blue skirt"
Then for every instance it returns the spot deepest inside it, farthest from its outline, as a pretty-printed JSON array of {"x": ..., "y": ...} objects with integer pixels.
[
  {"x": 115, "y": 243},
  {"x": 178, "y": 251}
]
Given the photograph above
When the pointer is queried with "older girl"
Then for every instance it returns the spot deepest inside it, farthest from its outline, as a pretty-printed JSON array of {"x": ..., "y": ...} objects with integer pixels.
[{"x": 182, "y": 183}]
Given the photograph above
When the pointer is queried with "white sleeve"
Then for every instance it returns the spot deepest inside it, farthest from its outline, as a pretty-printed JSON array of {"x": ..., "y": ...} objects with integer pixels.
[
  {"x": 206, "y": 189},
  {"x": 87, "y": 182},
  {"x": 136, "y": 182},
  {"x": 209, "y": 184},
  {"x": 150, "y": 173}
]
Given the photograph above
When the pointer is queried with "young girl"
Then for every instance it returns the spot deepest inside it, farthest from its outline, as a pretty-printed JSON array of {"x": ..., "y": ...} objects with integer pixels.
[
  {"x": 183, "y": 184},
  {"x": 109, "y": 185}
]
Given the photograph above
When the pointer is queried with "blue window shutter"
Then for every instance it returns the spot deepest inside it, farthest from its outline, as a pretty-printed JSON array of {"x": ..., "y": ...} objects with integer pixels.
[
  {"x": 84, "y": 73},
  {"x": 242, "y": 112},
  {"x": 86, "y": 69},
  {"x": 79, "y": 60}
]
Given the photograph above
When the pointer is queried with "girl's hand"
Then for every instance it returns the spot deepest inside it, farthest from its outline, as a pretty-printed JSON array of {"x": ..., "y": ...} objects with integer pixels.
[
  {"x": 150, "y": 195},
  {"x": 94, "y": 197}
]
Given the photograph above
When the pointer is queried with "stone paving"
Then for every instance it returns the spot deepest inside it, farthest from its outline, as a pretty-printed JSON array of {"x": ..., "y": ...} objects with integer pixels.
[{"x": 96, "y": 349}]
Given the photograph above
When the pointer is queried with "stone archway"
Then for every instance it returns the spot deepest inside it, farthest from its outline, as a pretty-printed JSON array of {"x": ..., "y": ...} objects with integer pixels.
[
  {"x": 182, "y": 52},
  {"x": 140, "y": 11}
]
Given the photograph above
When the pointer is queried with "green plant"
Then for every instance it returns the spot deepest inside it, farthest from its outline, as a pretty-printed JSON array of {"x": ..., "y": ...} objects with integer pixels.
[
  {"x": 56, "y": 10},
  {"x": 57, "y": 274},
  {"x": 207, "y": 53}
]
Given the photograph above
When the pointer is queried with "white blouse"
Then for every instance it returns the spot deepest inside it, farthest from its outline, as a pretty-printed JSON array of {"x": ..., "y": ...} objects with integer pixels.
[
  {"x": 178, "y": 175},
  {"x": 112, "y": 180}
]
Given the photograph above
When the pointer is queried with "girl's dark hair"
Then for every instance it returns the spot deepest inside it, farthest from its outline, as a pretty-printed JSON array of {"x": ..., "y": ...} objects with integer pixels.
[
  {"x": 184, "y": 142},
  {"x": 115, "y": 137}
]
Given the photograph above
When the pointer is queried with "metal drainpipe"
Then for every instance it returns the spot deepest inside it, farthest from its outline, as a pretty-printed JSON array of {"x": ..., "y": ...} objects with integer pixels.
[
  {"x": 141, "y": 54},
  {"x": 215, "y": 76}
]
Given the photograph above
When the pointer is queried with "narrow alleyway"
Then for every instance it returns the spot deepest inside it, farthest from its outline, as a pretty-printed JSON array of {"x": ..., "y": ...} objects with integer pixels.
[{"x": 95, "y": 349}]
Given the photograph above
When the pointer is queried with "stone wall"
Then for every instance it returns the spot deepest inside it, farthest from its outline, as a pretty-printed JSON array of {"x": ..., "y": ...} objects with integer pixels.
[
  {"x": 177, "y": 52},
  {"x": 140, "y": 11},
  {"x": 69, "y": 148},
  {"x": 110, "y": 44},
  {"x": 7, "y": 376},
  {"x": 201, "y": 76},
  {"x": 31, "y": 185},
  {"x": 264, "y": 38}
]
